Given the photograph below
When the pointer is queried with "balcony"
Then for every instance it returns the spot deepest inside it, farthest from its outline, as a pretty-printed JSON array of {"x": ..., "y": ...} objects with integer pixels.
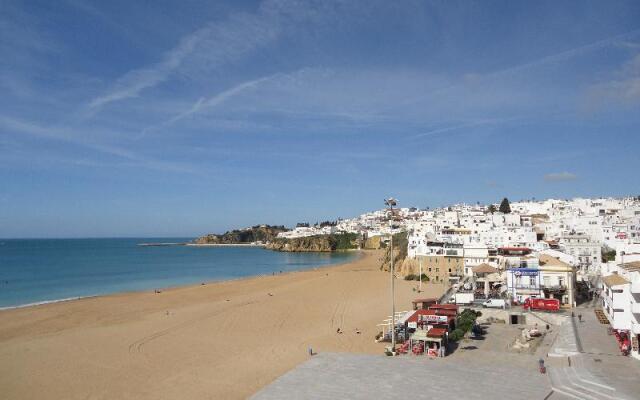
[
  {"x": 635, "y": 287},
  {"x": 524, "y": 286},
  {"x": 554, "y": 288}
]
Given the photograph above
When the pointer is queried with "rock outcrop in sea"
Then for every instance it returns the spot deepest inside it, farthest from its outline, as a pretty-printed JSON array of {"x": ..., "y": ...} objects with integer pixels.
[
  {"x": 254, "y": 234},
  {"x": 318, "y": 243}
]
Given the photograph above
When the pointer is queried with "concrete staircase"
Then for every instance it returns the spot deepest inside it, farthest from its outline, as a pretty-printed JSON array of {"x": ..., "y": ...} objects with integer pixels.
[{"x": 567, "y": 342}]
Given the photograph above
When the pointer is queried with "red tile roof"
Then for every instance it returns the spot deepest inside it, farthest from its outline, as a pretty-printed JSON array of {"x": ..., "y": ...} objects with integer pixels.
[
  {"x": 436, "y": 332},
  {"x": 429, "y": 300}
]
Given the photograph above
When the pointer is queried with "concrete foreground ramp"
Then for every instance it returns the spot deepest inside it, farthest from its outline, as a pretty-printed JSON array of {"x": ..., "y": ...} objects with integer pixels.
[{"x": 334, "y": 376}]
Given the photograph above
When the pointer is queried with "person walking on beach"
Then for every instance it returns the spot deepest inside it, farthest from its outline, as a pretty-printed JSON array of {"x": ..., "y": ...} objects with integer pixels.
[{"x": 580, "y": 317}]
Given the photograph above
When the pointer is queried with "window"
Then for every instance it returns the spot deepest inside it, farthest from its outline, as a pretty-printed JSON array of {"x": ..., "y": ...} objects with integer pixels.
[
  {"x": 532, "y": 280},
  {"x": 449, "y": 270},
  {"x": 437, "y": 269}
]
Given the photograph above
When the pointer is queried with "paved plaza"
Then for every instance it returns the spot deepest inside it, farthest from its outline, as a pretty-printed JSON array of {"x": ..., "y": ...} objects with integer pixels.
[{"x": 583, "y": 363}]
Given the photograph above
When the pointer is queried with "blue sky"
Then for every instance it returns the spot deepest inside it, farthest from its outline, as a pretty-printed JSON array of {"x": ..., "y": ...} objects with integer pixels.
[{"x": 179, "y": 118}]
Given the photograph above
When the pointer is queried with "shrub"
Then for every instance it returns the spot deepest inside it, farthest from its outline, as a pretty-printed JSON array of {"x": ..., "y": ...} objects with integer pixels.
[{"x": 456, "y": 335}]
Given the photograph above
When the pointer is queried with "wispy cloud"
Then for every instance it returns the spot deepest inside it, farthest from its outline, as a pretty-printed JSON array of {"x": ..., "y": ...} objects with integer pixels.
[
  {"x": 133, "y": 82},
  {"x": 472, "y": 124},
  {"x": 560, "y": 177},
  {"x": 210, "y": 47},
  {"x": 623, "y": 88},
  {"x": 476, "y": 78},
  {"x": 12, "y": 125},
  {"x": 206, "y": 103}
]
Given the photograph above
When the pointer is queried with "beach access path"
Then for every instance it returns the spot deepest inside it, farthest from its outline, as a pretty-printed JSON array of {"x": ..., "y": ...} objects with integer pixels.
[{"x": 219, "y": 340}]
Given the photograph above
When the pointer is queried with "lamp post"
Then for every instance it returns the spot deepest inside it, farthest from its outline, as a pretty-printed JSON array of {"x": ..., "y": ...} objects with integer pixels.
[{"x": 391, "y": 202}]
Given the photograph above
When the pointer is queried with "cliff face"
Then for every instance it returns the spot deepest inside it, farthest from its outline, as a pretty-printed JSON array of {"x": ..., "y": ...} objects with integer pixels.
[
  {"x": 319, "y": 243},
  {"x": 258, "y": 233},
  {"x": 400, "y": 244}
]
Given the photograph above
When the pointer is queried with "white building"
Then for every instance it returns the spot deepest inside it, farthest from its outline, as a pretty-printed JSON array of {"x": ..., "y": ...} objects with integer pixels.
[
  {"x": 621, "y": 301},
  {"x": 587, "y": 251}
]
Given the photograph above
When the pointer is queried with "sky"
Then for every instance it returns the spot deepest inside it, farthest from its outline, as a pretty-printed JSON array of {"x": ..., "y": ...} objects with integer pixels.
[{"x": 178, "y": 118}]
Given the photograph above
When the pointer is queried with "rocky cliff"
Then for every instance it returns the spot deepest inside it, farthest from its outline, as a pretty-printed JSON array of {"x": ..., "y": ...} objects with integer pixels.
[
  {"x": 400, "y": 244},
  {"x": 258, "y": 233},
  {"x": 318, "y": 243}
]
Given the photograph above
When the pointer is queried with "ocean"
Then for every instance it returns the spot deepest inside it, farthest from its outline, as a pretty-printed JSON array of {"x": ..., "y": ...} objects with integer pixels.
[{"x": 45, "y": 270}]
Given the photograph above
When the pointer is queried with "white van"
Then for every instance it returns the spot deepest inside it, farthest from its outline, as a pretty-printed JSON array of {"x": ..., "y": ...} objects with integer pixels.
[{"x": 495, "y": 303}]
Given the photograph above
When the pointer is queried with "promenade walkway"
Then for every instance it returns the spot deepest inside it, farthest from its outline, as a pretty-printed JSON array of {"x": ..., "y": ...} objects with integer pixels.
[
  {"x": 334, "y": 376},
  {"x": 583, "y": 363}
]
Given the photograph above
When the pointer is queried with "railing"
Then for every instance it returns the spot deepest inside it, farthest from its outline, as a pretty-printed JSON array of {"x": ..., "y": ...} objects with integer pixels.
[{"x": 523, "y": 286}]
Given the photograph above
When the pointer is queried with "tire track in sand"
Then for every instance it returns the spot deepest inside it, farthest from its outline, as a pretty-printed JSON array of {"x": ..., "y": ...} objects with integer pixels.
[{"x": 136, "y": 346}]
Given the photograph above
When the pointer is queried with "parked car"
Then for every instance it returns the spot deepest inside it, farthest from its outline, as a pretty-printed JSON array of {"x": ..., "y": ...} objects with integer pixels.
[{"x": 495, "y": 303}]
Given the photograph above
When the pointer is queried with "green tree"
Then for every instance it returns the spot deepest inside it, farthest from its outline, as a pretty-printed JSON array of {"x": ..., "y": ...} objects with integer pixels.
[
  {"x": 491, "y": 209},
  {"x": 608, "y": 254},
  {"x": 505, "y": 208}
]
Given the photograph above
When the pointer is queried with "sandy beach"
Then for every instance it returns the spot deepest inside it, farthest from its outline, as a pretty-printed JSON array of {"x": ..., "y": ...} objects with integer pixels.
[{"x": 219, "y": 340}]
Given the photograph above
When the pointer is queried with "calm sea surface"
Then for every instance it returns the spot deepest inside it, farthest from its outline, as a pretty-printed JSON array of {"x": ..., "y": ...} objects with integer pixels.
[{"x": 33, "y": 271}]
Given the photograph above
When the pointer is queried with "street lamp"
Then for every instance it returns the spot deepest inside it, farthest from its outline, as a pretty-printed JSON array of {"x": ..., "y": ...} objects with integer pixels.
[{"x": 391, "y": 202}]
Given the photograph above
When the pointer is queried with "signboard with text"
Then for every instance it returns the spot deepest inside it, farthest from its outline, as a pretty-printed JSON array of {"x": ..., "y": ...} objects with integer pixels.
[
  {"x": 435, "y": 319},
  {"x": 525, "y": 272}
]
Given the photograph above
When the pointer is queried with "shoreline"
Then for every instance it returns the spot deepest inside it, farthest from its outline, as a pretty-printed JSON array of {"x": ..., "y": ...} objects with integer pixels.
[
  {"x": 223, "y": 245},
  {"x": 227, "y": 339},
  {"x": 173, "y": 287}
]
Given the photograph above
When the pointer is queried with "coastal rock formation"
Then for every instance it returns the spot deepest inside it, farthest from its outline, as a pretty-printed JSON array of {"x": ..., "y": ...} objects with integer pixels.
[
  {"x": 258, "y": 233},
  {"x": 318, "y": 243},
  {"x": 400, "y": 244},
  {"x": 373, "y": 243}
]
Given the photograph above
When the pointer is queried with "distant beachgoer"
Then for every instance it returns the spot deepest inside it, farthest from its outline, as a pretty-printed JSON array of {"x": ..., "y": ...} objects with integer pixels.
[
  {"x": 357, "y": 331},
  {"x": 270, "y": 294},
  {"x": 339, "y": 330},
  {"x": 580, "y": 317},
  {"x": 310, "y": 351}
]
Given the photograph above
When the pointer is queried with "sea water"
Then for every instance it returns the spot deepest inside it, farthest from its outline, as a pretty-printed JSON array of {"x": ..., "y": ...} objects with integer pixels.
[{"x": 44, "y": 270}]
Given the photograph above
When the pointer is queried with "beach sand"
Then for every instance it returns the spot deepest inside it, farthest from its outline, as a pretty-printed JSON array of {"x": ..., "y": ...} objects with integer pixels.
[{"x": 214, "y": 341}]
